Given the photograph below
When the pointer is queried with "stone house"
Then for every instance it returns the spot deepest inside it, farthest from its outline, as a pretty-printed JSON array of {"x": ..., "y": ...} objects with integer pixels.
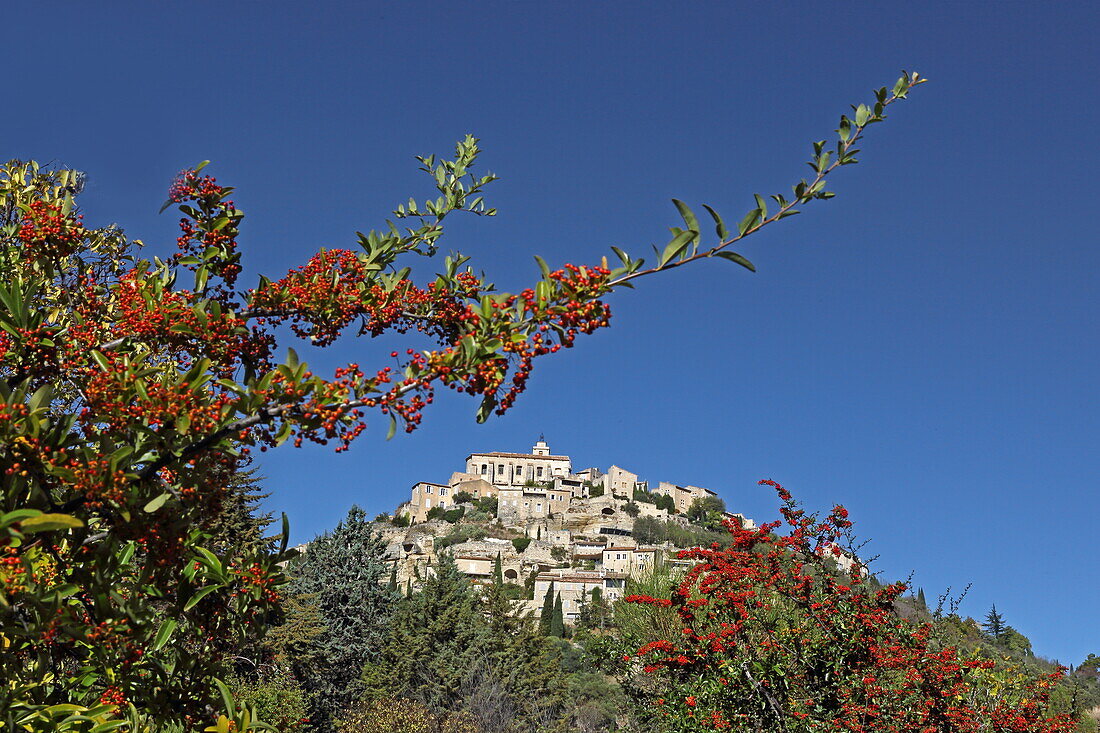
[
  {"x": 425, "y": 496},
  {"x": 682, "y": 495},
  {"x": 573, "y": 585},
  {"x": 620, "y": 482}
]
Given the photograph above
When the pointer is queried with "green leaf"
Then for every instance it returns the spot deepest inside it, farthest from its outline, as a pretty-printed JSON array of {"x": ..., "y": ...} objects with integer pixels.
[
  {"x": 543, "y": 266},
  {"x": 749, "y": 221},
  {"x": 761, "y": 206},
  {"x": 9, "y": 518},
  {"x": 863, "y": 113},
  {"x": 621, "y": 255},
  {"x": 393, "y": 427},
  {"x": 165, "y": 631},
  {"x": 687, "y": 214},
  {"x": 284, "y": 537},
  {"x": 676, "y": 247},
  {"x": 49, "y": 523},
  {"x": 199, "y": 595},
  {"x": 101, "y": 360},
  {"x": 127, "y": 552},
  {"x": 227, "y": 697},
  {"x": 157, "y": 503},
  {"x": 734, "y": 257},
  {"x": 41, "y": 397},
  {"x": 719, "y": 225}
]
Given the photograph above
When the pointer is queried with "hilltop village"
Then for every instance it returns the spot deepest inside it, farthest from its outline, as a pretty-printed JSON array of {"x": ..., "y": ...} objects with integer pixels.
[{"x": 542, "y": 523}]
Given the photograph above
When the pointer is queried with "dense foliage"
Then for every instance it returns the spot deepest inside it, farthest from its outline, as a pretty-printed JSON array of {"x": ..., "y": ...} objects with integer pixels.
[
  {"x": 787, "y": 631},
  {"x": 132, "y": 391},
  {"x": 342, "y": 576}
]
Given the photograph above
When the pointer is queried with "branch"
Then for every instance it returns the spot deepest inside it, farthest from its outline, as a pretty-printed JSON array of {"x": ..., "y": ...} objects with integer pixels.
[
  {"x": 265, "y": 414},
  {"x": 811, "y": 189}
]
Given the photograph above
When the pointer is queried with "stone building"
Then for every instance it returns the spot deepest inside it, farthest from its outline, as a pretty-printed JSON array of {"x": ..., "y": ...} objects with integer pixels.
[
  {"x": 573, "y": 585},
  {"x": 425, "y": 496},
  {"x": 519, "y": 469},
  {"x": 620, "y": 482},
  {"x": 682, "y": 495},
  {"x": 518, "y": 504}
]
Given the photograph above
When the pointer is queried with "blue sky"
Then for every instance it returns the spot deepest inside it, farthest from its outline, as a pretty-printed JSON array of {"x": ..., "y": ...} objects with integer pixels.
[{"x": 922, "y": 348}]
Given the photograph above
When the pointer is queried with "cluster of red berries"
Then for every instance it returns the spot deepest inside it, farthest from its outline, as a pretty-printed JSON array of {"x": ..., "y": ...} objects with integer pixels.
[
  {"x": 48, "y": 233},
  {"x": 113, "y": 695},
  {"x": 208, "y": 233},
  {"x": 12, "y": 571}
]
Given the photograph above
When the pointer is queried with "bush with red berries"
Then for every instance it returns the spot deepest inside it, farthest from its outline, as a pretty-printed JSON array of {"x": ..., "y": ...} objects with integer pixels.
[{"x": 785, "y": 630}]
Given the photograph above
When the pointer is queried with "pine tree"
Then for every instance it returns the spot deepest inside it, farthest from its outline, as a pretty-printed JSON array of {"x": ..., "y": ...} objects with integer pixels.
[
  {"x": 994, "y": 625},
  {"x": 392, "y": 586},
  {"x": 294, "y": 642},
  {"x": 239, "y": 524},
  {"x": 343, "y": 573},
  {"x": 435, "y": 638}
]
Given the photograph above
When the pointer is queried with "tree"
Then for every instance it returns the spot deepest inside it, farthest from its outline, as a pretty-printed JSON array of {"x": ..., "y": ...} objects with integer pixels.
[
  {"x": 557, "y": 619},
  {"x": 239, "y": 523},
  {"x": 994, "y": 625},
  {"x": 436, "y": 637},
  {"x": 768, "y": 635},
  {"x": 631, "y": 509},
  {"x": 132, "y": 389},
  {"x": 344, "y": 573},
  {"x": 707, "y": 511},
  {"x": 648, "y": 531},
  {"x": 546, "y": 614},
  {"x": 595, "y": 612}
]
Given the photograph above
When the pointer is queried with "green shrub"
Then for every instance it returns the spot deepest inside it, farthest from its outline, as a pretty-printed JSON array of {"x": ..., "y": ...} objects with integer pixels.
[
  {"x": 277, "y": 697},
  {"x": 521, "y": 543}
]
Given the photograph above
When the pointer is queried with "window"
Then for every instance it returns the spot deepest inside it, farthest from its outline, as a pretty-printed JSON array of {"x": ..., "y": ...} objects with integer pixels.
[
  {"x": 442, "y": 491},
  {"x": 538, "y": 472},
  {"x": 427, "y": 503},
  {"x": 519, "y": 471},
  {"x": 484, "y": 469},
  {"x": 500, "y": 468},
  {"x": 427, "y": 489}
]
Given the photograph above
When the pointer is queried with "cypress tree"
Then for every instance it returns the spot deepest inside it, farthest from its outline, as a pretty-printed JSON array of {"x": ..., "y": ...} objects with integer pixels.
[
  {"x": 342, "y": 573},
  {"x": 498, "y": 573},
  {"x": 557, "y": 619},
  {"x": 529, "y": 584},
  {"x": 547, "y": 614}
]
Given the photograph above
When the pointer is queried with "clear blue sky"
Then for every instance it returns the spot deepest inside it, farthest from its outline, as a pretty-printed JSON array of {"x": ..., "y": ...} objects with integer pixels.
[{"x": 922, "y": 348}]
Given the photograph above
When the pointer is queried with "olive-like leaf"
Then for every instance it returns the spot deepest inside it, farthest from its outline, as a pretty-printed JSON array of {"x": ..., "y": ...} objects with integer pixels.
[{"x": 739, "y": 259}]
